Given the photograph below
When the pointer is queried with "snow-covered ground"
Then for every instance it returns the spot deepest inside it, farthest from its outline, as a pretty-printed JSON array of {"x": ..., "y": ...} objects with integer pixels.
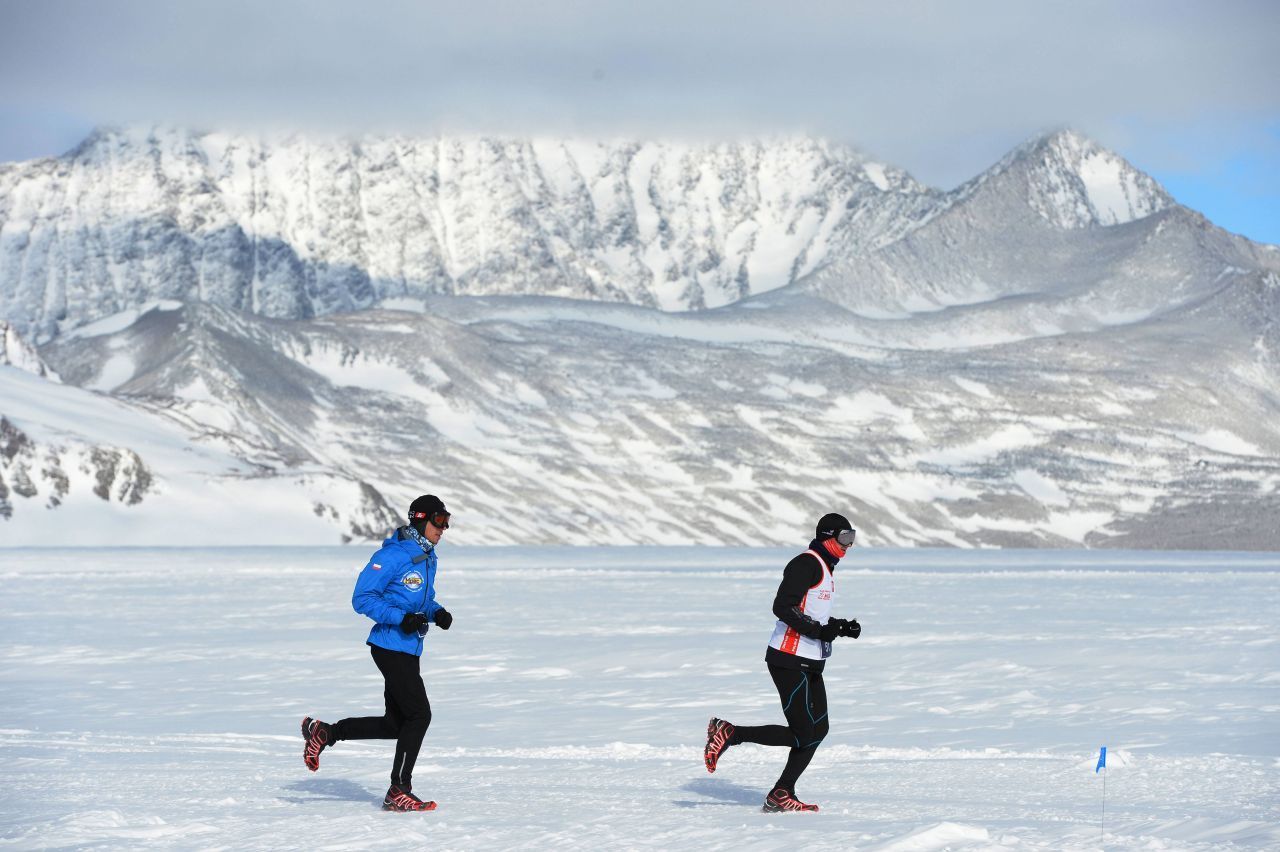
[{"x": 152, "y": 698}]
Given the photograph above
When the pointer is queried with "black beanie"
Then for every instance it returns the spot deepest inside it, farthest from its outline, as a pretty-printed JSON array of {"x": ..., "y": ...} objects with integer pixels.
[
  {"x": 830, "y": 524},
  {"x": 423, "y": 508}
]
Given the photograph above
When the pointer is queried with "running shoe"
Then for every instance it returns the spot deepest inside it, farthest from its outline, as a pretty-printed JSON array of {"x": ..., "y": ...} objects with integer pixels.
[
  {"x": 318, "y": 736},
  {"x": 400, "y": 799},
  {"x": 719, "y": 733},
  {"x": 781, "y": 800}
]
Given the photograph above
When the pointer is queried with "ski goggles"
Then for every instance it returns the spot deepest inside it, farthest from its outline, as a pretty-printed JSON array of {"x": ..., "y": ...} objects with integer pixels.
[
  {"x": 845, "y": 537},
  {"x": 439, "y": 520}
]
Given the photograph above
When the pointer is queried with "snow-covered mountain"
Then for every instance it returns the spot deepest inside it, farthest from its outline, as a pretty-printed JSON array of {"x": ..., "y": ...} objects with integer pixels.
[
  {"x": 554, "y": 421},
  {"x": 1060, "y": 236},
  {"x": 293, "y": 227},
  {"x": 1054, "y": 353}
]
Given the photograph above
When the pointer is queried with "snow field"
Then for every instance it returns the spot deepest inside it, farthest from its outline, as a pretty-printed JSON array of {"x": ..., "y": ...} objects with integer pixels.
[{"x": 152, "y": 699}]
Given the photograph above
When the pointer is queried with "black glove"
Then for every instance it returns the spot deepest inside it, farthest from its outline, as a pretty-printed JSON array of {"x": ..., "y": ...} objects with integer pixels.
[
  {"x": 413, "y": 622},
  {"x": 850, "y": 628},
  {"x": 830, "y": 630},
  {"x": 443, "y": 618}
]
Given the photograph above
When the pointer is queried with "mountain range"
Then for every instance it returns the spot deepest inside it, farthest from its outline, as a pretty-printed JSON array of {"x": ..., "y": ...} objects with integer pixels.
[{"x": 582, "y": 341}]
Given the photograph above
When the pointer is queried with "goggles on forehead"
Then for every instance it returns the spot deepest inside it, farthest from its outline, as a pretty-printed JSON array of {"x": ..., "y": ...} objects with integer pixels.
[
  {"x": 439, "y": 520},
  {"x": 845, "y": 537}
]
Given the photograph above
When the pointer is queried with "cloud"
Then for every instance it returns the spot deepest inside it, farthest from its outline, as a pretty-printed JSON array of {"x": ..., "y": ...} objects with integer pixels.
[{"x": 942, "y": 89}]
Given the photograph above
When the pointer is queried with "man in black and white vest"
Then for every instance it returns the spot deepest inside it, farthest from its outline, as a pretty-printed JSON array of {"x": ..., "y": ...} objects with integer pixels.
[{"x": 797, "y": 653}]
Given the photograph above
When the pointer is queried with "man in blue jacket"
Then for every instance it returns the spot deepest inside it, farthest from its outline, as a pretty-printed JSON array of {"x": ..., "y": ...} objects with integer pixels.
[{"x": 397, "y": 590}]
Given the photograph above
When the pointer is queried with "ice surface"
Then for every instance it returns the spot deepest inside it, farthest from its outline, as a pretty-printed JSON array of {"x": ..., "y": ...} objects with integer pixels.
[{"x": 152, "y": 699}]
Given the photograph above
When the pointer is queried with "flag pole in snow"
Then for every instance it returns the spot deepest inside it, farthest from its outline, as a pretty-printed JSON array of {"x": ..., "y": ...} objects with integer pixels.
[{"x": 1102, "y": 765}]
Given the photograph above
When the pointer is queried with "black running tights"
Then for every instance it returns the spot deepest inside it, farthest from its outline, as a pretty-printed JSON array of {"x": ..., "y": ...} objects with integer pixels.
[
  {"x": 804, "y": 703},
  {"x": 407, "y": 716}
]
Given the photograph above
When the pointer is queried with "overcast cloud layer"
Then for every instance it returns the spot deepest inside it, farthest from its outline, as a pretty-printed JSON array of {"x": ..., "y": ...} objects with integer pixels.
[{"x": 941, "y": 89}]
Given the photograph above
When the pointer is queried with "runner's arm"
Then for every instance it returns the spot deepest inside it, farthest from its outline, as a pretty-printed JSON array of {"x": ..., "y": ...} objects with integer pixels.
[
  {"x": 367, "y": 599},
  {"x": 798, "y": 578}
]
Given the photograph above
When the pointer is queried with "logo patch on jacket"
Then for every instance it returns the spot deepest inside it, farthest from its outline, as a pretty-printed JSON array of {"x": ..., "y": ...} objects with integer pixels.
[
  {"x": 375, "y": 566},
  {"x": 412, "y": 581}
]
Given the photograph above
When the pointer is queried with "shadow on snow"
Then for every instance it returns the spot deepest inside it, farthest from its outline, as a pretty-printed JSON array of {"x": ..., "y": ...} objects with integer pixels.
[
  {"x": 722, "y": 792},
  {"x": 330, "y": 790}
]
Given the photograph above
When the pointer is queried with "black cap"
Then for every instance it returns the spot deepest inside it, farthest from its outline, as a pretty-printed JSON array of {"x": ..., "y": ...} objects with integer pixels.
[
  {"x": 424, "y": 507},
  {"x": 830, "y": 524}
]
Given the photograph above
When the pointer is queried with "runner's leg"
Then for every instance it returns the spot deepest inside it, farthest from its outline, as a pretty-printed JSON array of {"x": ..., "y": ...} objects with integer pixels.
[
  {"x": 806, "y": 712},
  {"x": 410, "y": 696},
  {"x": 384, "y": 727}
]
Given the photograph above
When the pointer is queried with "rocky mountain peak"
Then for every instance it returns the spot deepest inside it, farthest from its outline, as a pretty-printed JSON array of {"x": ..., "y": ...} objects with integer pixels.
[
  {"x": 1073, "y": 182},
  {"x": 1069, "y": 181}
]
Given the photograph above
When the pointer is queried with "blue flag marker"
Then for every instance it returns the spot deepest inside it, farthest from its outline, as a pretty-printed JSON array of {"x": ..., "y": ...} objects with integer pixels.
[{"x": 1102, "y": 760}]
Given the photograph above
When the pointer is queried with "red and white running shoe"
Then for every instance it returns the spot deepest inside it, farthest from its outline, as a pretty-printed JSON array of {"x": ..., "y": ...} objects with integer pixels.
[
  {"x": 317, "y": 735},
  {"x": 719, "y": 733},
  {"x": 780, "y": 800},
  {"x": 400, "y": 799}
]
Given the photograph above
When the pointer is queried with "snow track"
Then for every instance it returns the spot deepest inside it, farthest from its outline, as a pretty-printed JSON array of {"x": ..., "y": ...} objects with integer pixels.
[{"x": 152, "y": 699}]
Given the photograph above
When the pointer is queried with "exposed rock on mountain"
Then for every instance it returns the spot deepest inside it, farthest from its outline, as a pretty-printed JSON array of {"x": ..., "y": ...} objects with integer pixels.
[
  {"x": 45, "y": 471},
  {"x": 15, "y": 351}
]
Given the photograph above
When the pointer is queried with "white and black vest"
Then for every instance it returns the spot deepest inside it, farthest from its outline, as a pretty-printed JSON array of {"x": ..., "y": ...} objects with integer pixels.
[{"x": 816, "y": 604}]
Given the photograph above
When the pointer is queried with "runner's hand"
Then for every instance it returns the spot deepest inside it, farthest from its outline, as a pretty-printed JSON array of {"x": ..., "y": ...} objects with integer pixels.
[
  {"x": 443, "y": 618},
  {"x": 413, "y": 622}
]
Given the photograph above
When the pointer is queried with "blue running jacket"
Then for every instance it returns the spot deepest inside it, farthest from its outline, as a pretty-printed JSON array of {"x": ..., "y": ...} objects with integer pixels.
[{"x": 393, "y": 585}]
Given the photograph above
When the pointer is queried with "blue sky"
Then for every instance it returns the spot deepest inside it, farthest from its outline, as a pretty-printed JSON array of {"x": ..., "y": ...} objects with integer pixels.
[
  {"x": 1184, "y": 90},
  {"x": 1239, "y": 192}
]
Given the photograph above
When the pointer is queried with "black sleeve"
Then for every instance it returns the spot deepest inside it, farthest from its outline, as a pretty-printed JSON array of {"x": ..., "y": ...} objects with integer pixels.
[{"x": 798, "y": 578}]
